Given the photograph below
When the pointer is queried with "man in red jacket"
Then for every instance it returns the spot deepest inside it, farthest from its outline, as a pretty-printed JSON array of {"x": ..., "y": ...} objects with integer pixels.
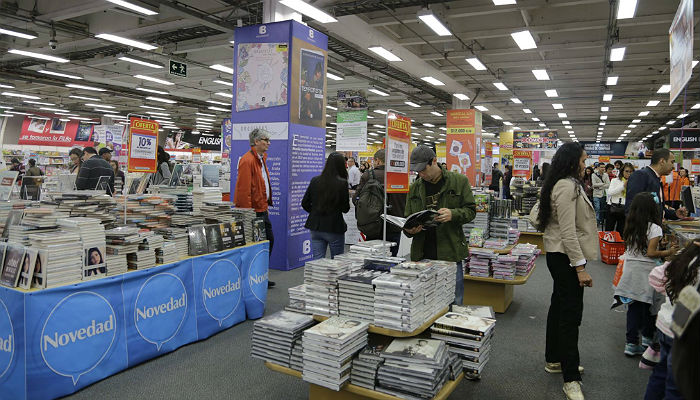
[{"x": 253, "y": 189}]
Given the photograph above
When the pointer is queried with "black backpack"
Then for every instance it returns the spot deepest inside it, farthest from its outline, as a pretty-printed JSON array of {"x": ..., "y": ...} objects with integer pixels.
[{"x": 370, "y": 207}]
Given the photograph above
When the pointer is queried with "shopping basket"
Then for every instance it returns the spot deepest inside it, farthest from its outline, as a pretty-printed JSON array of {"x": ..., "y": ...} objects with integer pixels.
[{"x": 611, "y": 247}]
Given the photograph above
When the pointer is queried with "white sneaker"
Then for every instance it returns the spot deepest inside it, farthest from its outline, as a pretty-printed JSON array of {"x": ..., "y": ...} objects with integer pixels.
[{"x": 573, "y": 390}]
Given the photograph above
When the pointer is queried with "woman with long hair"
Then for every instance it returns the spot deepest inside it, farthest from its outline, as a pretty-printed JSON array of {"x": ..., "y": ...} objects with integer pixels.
[
  {"x": 567, "y": 218},
  {"x": 587, "y": 183},
  {"x": 616, "y": 199},
  {"x": 326, "y": 200}
]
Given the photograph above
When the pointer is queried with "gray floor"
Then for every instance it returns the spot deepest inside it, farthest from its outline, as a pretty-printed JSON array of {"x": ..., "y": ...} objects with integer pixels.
[{"x": 220, "y": 367}]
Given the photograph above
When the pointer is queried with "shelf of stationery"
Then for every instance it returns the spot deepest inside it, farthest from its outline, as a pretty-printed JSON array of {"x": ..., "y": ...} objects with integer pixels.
[
  {"x": 352, "y": 392},
  {"x": 394, "y": 333}
]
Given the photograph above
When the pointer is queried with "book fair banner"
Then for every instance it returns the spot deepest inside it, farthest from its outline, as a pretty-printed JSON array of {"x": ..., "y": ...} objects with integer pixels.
[
  {"x": 52, "y": 130},
  {"x": 537, "y": 139},
  {"x": 143, "y": 145},
  {"x": 398, "y": 152},
  {"x": 54, "y": 342},
  {"x": 464, "y": 143},
  {"x": 522, "y": 163}
]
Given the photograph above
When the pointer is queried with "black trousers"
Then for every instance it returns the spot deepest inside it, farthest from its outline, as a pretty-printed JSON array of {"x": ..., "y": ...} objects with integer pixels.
[
  {"x": 564, "y": 317},
  {"x": 615, "y": 221},
  {"x": 639, "y": 318},
  {"x": 268, "y": 228}
]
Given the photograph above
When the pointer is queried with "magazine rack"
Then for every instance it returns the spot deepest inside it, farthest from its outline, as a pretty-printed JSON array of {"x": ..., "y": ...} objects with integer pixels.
[{"x": 497, "y": 293}]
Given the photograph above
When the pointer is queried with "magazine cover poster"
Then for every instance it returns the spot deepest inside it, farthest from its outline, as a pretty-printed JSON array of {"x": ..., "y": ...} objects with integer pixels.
[
  {"x": 308, "y": 104},
  {"x": 262, "y": 75}
]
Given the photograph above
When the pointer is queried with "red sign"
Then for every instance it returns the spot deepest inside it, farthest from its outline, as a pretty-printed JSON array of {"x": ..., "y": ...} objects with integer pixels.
[
  {"x": 143, "y": 145},
  {"x": 521, "y": 163},
  {"x": 398, "y": 149},
  {"x": 604, "y": 159},
  {"x": 49, "y": 130},
  {"x": 464, "y": 143}
]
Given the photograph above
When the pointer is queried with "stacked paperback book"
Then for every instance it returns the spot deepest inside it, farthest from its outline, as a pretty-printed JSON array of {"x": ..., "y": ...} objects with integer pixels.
[
  {"x": 116, "y": 264},
  {"x": 527, "y": 255},
  {"x": 274, "y": 336},
  {"x": 177, "y": 236},
  {"x": 149, "y": 211},
  {"x": 167, "y": 253},
  {"x": 329, "y": 348},
  {"x": 202, "y": 196},
  {"x": 93, "y": 241},
  {"x": 60, "y": 258},
  {"x": 245, "y": 216},
  {"x": 356, "y": 294},
  {"x": 123, "y": 240},
  {"x": 85, "y": 203},
  {"x": 367, "y": 362},
  {"x": 321, "y": 282},
  {"x": 400, "y": 302},
  {"x": 216, "y": 211},
  {"x": 297, "y": 298},
  {"x": 480, "y": 262}
]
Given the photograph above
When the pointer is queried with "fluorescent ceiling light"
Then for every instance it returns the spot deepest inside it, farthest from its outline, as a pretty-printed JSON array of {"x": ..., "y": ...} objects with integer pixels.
[
  {"x": 147, "y": 90},
  {"x": 681, "y": 116},
  {"x": 59, "y": 73},
  {"x": 433, "y": 81},
  {"x": 6, "y": 107},
  {"x": 571, "y": 132},
  {"x": 601, "y": 123},
  {"x": 664, "y": 89},
  {"x": 653, "y": 103},
  {"x": 568, "y": 127},
  {"x": 429, "y": 125},
  {"x": 671, "y": 122},
  {"x": 604, "y": 109},
  {"x": 476, "y": 64},
  {"x": 481, "y": 108},
  {"x": 540, "y": 74},
  {"x": 332, "y": 108},
  {"x": 21, "y": 33},
  {"x": 219, "y": 102},
  {"x": 503, "y": 2},
  {"x": 628, "y": 131},
  {"x": 412, "y": 104},
  {"x": 160, "y": 99},
  {"x": 496, "y": 117},
  {"x": 222, "y": 94},
  {"x": 516, "y": 100},
  {"x": 505, "y": 123},
  {"x": 634, "y": 126},
  {"x": 384, "y": 53},
  {"x": 617, "y": 53},
  {"x": 18, "y": 113},
  {"x": 53, "y": 109},
  {"x": 222, "y": 68},
  {"x": 205, "y": 120},
  {"x": 607, "y": 97},
  {"x": 223, "y": 82},
  {"x": 557, "y": 106},
  {"x": 524, "y": 40},
  {"x": 377, "y": 91},
  {"x": 603, "y": 117},
  {"x": 644, "y": 113},
  {"x": 134, "y": 7},
  {"x": 542, "y": 125},
  {"x": 99, "y": 105},
  {"x": 6, "y": 86},
  {"x": 435, "y": 113},
  {"x": 562, "y": 115},
  {"x": 612, "y": 81},
  {"x": 626, "y": 9},
  {"x": 157, "y": 113},
  {"x": 695, "y": 107},
  {"x": 334, "y": 76},
  {"x": 527, "y": 111},
  {"x": 566, "y": 122},
  {"x": 152, "y": 79},
  {"x": 662, "y": 128},
  {"x": 380, "y": 112},
  {"x": 600, "y": 128},
  {"x": 85, "y": 87},
  {"x": 500, "y": 86},
  {"x": 84, "y": 98},
  {"x": 461, "y": 96},
  {"x": 24, "y": 96},
  {"x": 623, "y": 134},
  {"x": 141, "y": 61},
  {"x": 636, "y": 121},
  {"x": 433, "y": 22},
  {"x": 205, "y": 115},
  {"x": 535, "y": 119},
  {"x": 38, "y": 55},
  {"x": 551, "y": 93},
  {"x": 126, "y": 41},
  {"x": 309, "y": 10},
  {"x": 38, "y": 102}
]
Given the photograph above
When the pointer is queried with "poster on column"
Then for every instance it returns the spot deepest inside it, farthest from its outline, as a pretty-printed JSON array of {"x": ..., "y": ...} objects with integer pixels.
[
  {"x": 262, "y": 75},
  {"x": 463, "y": 143},
  {"x": 398, "y": 153},
  {"x": 110, "y": 136},
  {"x": 680, "y": 37},
  {"x": 226, "y": 132},
  {"x": 522, "y": 160},
  {"x": 308, "y": 91},
  {"x": 505, "y": 147},
  {"x": 351, "y": 131},
  {"x": 143, "y": 145}
]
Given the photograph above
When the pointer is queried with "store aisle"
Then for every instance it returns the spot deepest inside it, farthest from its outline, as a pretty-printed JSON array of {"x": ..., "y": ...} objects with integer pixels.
[{"x": 220, "y": 367}]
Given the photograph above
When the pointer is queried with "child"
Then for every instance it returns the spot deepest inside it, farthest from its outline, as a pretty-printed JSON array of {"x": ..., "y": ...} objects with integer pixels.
[
  {"x": 642, "y": 235},
  {"x": 670, "y": 279}
]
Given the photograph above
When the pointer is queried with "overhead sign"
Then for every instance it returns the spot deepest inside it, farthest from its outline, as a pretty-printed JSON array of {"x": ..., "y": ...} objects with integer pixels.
[
  {"x": 351, "y": 131},
  {"x": 605, "y": 148},
  {"x": 398, "y": 148},
  {"x": 178, "y": 68},
  {"x": 680, "y": 37},
  {"x": 50, "y": 130},
  {"x": 463, "y": 140},
  {"x": 179, "y": 139},
  {"x": 521, "y": 163},
  {"x": 684, "y": 139},
  {"x": 538, "y": 139},
  {"x": 143, "y": 145}
]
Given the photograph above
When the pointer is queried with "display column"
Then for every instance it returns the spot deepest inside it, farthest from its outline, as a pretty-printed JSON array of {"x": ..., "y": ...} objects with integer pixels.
[{"x": 280, "y": 86}]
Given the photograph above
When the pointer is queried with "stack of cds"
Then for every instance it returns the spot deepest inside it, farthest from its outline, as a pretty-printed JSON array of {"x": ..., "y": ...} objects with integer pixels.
[
  {"x": 245, "y": 216},
  {"x": 495, "y": 243},
  {"x": 321, "y": 280},
  {"x": 60, "y": 258},
  {"x": 297, "y": 298},
  {"x": 366, "y": 364},
  {"x": 329, "y": 348},
  {"x": 414, "y": 367},
  {"x": 356, "y": 294},
  {"x": 468, "y": 336},
  {"x": 504, "y": 267},
  {"x": 141, "y": 259},
  {"x": 479, "y": 262},
  {"x": 527, "y": 255},
  {"x": 202, "y": 196},
  {"x": 524, "y": 225},
  {"x": 123, "y": 240},
  {"x": 177, "y": 236},
  {"x": 116, "y": 264},
  {"x": 513, "y": 235},
  {"x": 273, "y": 336},
  {"x": 149, "y": 211},
  {"x": 167, "y": 253},
  {"x": 400, "y": 302}
]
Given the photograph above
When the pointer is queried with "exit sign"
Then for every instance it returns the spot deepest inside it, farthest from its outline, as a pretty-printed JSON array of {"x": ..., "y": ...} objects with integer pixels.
[{"x": 178, "y": 68}]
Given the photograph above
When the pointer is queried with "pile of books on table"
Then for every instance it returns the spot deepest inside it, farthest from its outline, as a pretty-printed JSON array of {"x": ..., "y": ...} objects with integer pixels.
[
  {"x": 60, "y": 258},
  {"x": 274, "y": 336},
  {"x": 186, "y": 219},
  {"x": 366, "y": 363},
  {"x": 356, "y": 294},
  {"x": 116, "y": 264},
  {"x": 93, "y": 241},
  {"x": 167, "y": 253},
  {"x": 527, "y": 255},
  {"x": 372, "y": 248},
  {"x": 142, "y": 259},
  {"x": 297, "y": 299},
  {"x": 445, "y": 282},
  {"x": 329, "y": 348},
  {"x": 177, "y": 236},
  {"x": 202, "y": 196},
  {"x": 504, "y": 267},
  {"x": 13, "y": 205},
  {"x": 245, "y": 216},
  {"x": 479, "y": 263},
  {"x": 403, "y": 302},
  {"x": 216, "y": 211},
  {"x": 321, "y": 280},
  {"x": 150, "y": 211},
  {"x": 85, "y": 203},
  {"x": 123, "y": 240}
]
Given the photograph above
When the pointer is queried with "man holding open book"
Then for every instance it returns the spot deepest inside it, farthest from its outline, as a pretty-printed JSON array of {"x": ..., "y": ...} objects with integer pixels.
[{"x": 449, "y": 194}]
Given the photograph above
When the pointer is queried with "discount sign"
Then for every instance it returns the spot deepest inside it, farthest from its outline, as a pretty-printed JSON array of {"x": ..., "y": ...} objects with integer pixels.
[{"x": 143, "y": 145}]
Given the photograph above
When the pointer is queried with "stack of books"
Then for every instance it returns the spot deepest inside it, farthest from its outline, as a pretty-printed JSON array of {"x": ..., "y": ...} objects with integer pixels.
[
  {"x": 527, "y": 256},
  {"x": 274, "y": 336},
  {"x": 123, "y": 240},
  {"x": 245, "y": 217},
  {"x": 329, "y": 348},
  {"x": 197, "y": 240},
  {"x": 216, "y": 211},
  {"x": 167, "y": 253},
  {"x": 321, "y": 280},
  {"x": 151, "y": 242},
  {"x": 366, "y": 363},
  {"x": 177, "y": 236},
  {"x": 356, "y": 294},
  {"x": 141, "y": 259},
  {"x": 296, "y": 360},
  {"x": 372, "y": 248},
  {"x": 86, "y": 203},
  {"x": 202, "y": 196},
  {"x": 297, "y": 298},
  {"x": 60, "y": 258},
  {"x": 504, "y": 267},
  {"x": 185, "y": 219},
  {"x": 13, "y": 205},
  {"x": 93, "y": 240},
  {"x": 401, "y": 302},
  {"x": 480, "y": 262},
  {"x": 414, "y": 367},
  {"x": 42, "y": 217},
  {"x": 149, "y": 211},
  {"x": 116, "y": 264},
  {"x": 445, "y": 282},
  {"x": 468, "y": 332},
  {"x": 481, "y": 220}
]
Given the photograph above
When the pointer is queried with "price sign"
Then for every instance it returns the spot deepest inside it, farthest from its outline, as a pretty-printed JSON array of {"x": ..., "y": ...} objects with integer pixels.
[
  {"x": 521, "y": 163},
  {"x": 143, "y": 145},
  {"x": 178, "y": 68}
]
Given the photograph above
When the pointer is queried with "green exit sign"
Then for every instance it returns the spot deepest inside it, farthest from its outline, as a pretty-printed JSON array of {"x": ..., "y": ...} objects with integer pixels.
[{"x": 178, "y": 68}]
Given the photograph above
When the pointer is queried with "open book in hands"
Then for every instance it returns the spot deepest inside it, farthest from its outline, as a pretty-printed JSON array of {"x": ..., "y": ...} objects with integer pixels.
[{"x": 425, "y": 218}]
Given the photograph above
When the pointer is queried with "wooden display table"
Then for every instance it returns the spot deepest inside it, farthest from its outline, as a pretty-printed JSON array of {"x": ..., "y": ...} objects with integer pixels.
[
  {"x": 535, "y": 238},
  {"x": 394, "y": 333},
  {"x": 354, "y": 392},
  {"x": 497, "y": 293}
]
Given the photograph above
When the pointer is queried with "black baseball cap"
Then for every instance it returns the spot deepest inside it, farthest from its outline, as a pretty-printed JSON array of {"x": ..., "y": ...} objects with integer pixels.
[
  {"x": 105, "y": 150},
  {"x": 420, "y": 157}
]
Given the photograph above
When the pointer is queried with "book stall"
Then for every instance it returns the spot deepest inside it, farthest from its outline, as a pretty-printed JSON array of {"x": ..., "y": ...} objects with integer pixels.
[{"x": 93, "y": 284}]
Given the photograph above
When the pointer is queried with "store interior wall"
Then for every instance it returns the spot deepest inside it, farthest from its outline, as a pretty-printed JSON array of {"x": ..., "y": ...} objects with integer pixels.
[{"x": 12, "y": 130}]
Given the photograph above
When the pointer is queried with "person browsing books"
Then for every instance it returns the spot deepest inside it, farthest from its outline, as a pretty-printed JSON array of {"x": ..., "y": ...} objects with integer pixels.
[
  {"x": 92, "y": 169},
  {"x": 450, "y": 194},
  {"x": 326, "y": 199}
]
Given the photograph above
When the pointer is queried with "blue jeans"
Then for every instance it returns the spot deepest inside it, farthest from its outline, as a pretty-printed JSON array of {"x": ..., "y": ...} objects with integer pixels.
[
  {"x": 599, "y": 203},
  {"x": 320, "y": 241},
  {"x": 661, "y": 384},
  {"x": 459, "y": 285}
]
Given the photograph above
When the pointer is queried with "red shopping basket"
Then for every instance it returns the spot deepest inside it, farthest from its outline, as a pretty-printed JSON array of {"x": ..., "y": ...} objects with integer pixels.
[{"x": 611, "y": 247}]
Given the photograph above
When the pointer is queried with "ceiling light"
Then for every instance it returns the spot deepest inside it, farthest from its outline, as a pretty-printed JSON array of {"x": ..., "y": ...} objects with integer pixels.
[
  {"x": 17, "y": 112},
  {"x": 634, "y": 126},
  {"x": 602, "y": 123},
  {"x": 218, "y": 102},
  {"x": 562, "y": 115},
  {"x": 218, "y": 109},
  {"x": 24, "y": 96},
  {"x": 557, "y": 106},
  {"x": 412, "y": 104},
  {"x": 332, "y": 108},
  {"x": 380, "y": 112},
  {"x": 222, "y": 68},
  {"x": 566, "y": 122},
  {"x": 429, "y": 125},
  {"x": 38, "y": 102},
  {"x": 84, "y": 98},
  {"x": 6, "y": 86},
  {"x": 223, "y": 82},
  {"x": 134, "y": 7},
  {"x": 384, "y": 53},
  {"x": 223, "y": 94},
  {"x": 38, "y": 55},
  {"x": 435, "y": 113},
  {"x": 99, "y": 105},
  {"x": 377, "y": 91},
  {"x": 626, "y": 9},
  {"x": 603, "y": 117},
  {"x": 551, "y": 93},
  {"x": 623, "y": 135},
  {"x": 85, "y": 87},
  {"x": 662, "y": 128},
  {"x": 664, "y": 89},
  {"x": 160, "y": 99},
  {"x": 607, "y": 97},
  {"x": 636, "y": 121},
  {"x": 568, "y": 127},
  {"x": 461, "y": 96},
  {"x": 644, "y": 113},
  {"x": 506, "y": 123},
  {"x": 205, "y": 115},
  {"x": 53, "y": 109},
  {"x": 205, "y": 120},
  {"x": 535, "y": 119},
  {"x": 503, "y": 2},
  {"x": 617, "y": 53},
  {"x": 612, "y": 81},
  {"x": 152, "y": 79},
  {"x": 481, "y": 108},
  {"x": 671, "y": 122},
  {"x": 433, "y": 81},
  {"x": 141, "y": 61},
  {"x": 695, "y": 107},
  {"x": 516, "y": 100},
  {"x": 524, "y": 40},
  {"x": 604, "y": 109},
  {"x": 126, "y": 41},
  {"x": 628, "y": 131},
  {"x": 571, "y": 132},
  {"x": 681, "y": 116},
  {"x": 618, "y": 141},
  {"x": 527, "y": 111},
  {"x": 500, "y": 86},
  {"x": 653, "y": 103},
  {"x": 160, "y": 114},
  {"x": 653, "y": 132},
  {"x": 334, "y": 77},
  {"x": 476, "y": 64},
  {"x": 496, "y": 117},
  {"x": 59, "y": 73},
  {"x": 21, "y": 33},
  {"x": 540, "y": 74},
  {"x": 542, "y": 125},
  {"x": 433, "y": 22},
  {"x": 147, "y": 90},
  {"x": 309, "y": 10}
]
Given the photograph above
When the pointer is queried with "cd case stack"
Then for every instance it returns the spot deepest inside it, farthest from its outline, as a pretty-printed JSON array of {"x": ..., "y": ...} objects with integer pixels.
[
  {"x": 366, "y": 363},
  {"x": 274, "y": 336},
  {"x": 297, "y": 298},
  {"x": 321, "y": 280},
  {"x": 480, "y": 262},
  {"x": 329, "y": 348},
  {"x": 527, "y": 255},
  {"x": 356, "y": 294},
  {"x": 167, "y": 253},
  {"x": 415, "y": 368}
]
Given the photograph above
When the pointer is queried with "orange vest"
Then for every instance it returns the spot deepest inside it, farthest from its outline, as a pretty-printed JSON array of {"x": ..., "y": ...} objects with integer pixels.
[{"x": 672, "y": 192}]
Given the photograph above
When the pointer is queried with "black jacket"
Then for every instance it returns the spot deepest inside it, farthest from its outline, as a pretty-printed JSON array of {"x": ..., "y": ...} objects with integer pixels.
[
  {"x": 328, "y": 221},
  {"x": 396, "y": 202},
  {"x": 645, "y": 180},
  {"x": 90, "y": 172},
  {"x": 496, "y": 175}
]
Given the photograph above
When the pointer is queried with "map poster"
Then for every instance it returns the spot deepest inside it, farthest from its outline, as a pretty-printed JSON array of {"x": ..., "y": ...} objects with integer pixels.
[{"x": 262, "y": 75}]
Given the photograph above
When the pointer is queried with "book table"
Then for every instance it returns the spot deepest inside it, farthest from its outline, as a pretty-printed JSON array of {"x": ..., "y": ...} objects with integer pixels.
[
  {"x": 497, "y": 293},
  {"x": 535, "y": 238}
]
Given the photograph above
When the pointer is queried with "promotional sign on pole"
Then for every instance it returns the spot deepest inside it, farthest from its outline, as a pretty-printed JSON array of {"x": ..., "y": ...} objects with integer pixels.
[
  {"x": 521, "y": 163},
  {"x": 398, "y": 152},
  {"x": 351, "y": 131},
  {"x": 143, "y": 145},
  {"x": 505, "y": 145},
  {"x": 695, "y": 166},
  {"x": 464, "y": 143},
  {"x": 680, "y": 37}
]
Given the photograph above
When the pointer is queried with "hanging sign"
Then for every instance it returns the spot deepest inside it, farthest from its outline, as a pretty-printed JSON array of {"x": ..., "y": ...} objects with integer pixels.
[
  {"x": 462, "y": 153},
  {"x": 351, "y": 131},
  {"x": 521, "y": 163},
  {"x": 680, "y": 38},
  {"x": 604, "y": 159},
  {"x": 196, "y": 155},
  {"x": 398, "y": 145},
  {"x": 143, "y": 145},
  {"x": 695, "y": 166}
]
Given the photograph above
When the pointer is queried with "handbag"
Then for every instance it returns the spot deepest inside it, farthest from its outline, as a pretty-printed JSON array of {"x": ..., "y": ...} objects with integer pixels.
[{"x": 534, "y": 214}]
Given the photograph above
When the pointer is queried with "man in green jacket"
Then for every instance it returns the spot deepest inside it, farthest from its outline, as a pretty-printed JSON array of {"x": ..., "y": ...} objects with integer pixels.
[{"x": 451, "y": 195}]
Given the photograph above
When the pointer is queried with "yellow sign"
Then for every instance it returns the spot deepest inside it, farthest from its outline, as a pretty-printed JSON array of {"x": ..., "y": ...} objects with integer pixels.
[{"x": 441, "y": 150}]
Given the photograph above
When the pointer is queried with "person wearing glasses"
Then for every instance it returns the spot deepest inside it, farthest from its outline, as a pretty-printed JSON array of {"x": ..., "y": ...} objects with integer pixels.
[{"x": 253, "y": 189}]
